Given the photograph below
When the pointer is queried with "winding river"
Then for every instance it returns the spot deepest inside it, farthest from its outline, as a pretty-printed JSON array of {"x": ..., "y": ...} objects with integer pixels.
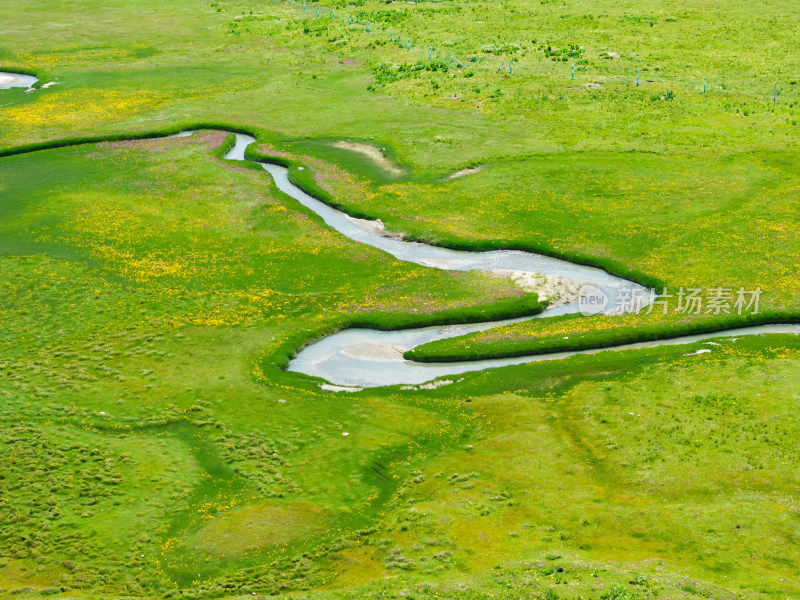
[
  {"x": 360, "y": 358},
  {"x": 357, "y": 358}
]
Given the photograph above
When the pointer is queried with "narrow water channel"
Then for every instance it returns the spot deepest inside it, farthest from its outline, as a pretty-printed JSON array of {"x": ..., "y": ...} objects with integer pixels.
[{"x": 371, "y": 358}]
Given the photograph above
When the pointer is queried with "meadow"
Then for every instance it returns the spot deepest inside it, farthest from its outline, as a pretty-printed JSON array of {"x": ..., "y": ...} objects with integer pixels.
[{"x": 155, "y": 447}]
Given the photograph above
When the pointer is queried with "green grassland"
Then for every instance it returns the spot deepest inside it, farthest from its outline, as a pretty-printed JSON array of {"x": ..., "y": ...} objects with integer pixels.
[
  {"x": 258, "y": 63},
  {"x": 154, "y": 447}
]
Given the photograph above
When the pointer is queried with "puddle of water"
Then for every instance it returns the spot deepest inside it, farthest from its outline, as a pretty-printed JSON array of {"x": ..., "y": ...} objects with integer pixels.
[{"x": 12, "y": 80}]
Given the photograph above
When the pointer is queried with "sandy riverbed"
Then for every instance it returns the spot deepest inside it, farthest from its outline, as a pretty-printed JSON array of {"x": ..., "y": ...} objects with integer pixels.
[
  {"x": 376, "y": 226},
  {"x": 463, "y": 172},
  {"x": 373, "y": 153},
  {"x": 375, "y": 352},
  {"x": 557, "y": 290}
]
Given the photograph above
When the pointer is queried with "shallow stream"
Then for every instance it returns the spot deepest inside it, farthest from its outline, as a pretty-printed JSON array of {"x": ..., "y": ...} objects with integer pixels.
[{"x": 359, "y": 358}]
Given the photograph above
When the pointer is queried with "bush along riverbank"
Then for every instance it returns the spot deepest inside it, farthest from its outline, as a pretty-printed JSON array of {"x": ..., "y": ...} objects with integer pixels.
[{"x": 575, "y": 333}]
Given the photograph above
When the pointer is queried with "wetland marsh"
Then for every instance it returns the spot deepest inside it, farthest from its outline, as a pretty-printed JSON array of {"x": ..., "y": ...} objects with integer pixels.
[{"x": 176, "y": 328}]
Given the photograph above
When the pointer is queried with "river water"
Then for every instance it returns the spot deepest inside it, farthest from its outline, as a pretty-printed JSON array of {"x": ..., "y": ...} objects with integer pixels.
[{"x": 360, "y": 358}]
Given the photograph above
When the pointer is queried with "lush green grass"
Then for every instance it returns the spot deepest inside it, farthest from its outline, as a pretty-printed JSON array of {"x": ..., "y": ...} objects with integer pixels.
[
  {"x": 678, "y": 220},
  {"x": 131, "y": 272},
  {"x": 187, "y": 60},
  {"x": 154, "y": 447},
  {"x": 709, "y": 223},
  {"x": 546, "y": 336},
  {"x": 639, "y": 461}
]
